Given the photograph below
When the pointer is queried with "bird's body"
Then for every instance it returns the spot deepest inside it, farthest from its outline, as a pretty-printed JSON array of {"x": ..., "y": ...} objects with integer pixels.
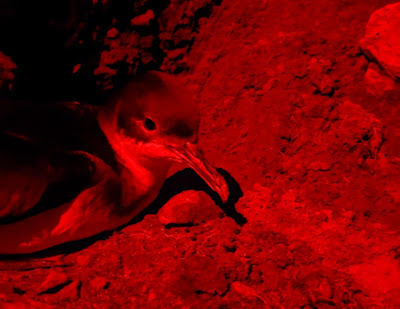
[{"x": 68, "y": 172}]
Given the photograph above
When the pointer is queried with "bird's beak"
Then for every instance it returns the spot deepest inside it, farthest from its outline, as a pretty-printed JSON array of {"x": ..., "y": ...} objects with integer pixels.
[{"x": 190, "y": 155}]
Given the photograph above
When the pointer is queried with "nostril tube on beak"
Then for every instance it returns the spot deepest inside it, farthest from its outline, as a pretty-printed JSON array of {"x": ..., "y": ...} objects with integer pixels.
[{"x": 191, "y": 156}]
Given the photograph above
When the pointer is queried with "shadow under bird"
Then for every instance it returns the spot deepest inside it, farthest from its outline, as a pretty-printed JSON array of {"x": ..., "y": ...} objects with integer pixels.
[{"x": 69, "y": 171}]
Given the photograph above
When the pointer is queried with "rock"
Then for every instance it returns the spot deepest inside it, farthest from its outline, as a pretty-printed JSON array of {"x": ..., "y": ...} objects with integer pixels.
[
  {"x": 99, "y": 283},
  {"x": 71, "y": 292},
  {"x": 178, "y": 25},
  {"x": 139, "y": 5},
  {"x": 201, "y": 274},
  {"x": 319, "y": 166},
  {"x": 176, "y": 54},
  {"x": 112, "y": 33},
  {"x": 325, "y": 86},
  {"x": 349, "y": 214},
  {"x": 122, "y": 51},
  {"x": 175, "y": 60},
  {"x": 378, "y": 83},
  {"x": 144, "y": 19},
  {"x": 24, "y": 303},
  {"x": 318, "y": 72},
  {"x": 83, "y": 260},
  {"x": 55, "y": 281},
  {"x": 7, "y": 70},
  {"x": 324, "y": 290},
  {"x": 298, "y": 298},
  {"x": 147, "y": 42},
  {"x": 76, "y": 68},
  {"x": 188, "y": 207},
  {"x": 247, "y": 291},
  {"x": 381, "y": 42}
]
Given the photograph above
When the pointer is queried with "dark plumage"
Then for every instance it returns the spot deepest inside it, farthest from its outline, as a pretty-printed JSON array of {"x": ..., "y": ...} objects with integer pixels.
[{"x": 69, "y": 171}]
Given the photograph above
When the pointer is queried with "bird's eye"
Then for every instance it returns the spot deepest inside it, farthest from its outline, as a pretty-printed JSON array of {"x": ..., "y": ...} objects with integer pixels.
[{"x": 149, "y": 124}]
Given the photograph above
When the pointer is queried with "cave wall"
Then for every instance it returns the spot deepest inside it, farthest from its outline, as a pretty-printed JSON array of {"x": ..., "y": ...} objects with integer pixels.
[{"x": 76, "y": 50}]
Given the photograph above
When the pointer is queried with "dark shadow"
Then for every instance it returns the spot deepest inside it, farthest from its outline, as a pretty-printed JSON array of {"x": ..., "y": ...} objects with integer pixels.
[{"x": 186, "y": 179}]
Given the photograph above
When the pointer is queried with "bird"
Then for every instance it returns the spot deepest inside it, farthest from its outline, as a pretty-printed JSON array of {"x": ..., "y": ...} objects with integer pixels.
[{"x": 69, "y": 171}]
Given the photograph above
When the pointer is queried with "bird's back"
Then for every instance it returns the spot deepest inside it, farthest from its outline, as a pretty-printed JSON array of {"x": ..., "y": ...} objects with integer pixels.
[
  {"x": 39, "y": 164},
  {"x": 54, "y": 127}
]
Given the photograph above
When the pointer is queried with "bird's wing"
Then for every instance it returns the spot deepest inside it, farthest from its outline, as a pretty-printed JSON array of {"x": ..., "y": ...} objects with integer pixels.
[
  {"x": 90, "y": 212},
  {"x": 33, "y": 180},
  {"x": 36, "y": 146},
  {"x": 52, "y": 189}
]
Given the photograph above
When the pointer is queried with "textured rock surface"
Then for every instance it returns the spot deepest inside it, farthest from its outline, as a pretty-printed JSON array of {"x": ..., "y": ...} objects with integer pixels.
[
  {"x": 188, "y": 208},
  {"x": 380, "y": 84},
  {"x": 319, "y": 171},
  {"x": 78, "y": 49},
  {"x": 381, "y": 42}
]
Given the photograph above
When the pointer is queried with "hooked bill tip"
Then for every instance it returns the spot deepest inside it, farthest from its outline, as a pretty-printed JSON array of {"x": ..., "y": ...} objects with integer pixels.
[{"x": 191, "y": 156}]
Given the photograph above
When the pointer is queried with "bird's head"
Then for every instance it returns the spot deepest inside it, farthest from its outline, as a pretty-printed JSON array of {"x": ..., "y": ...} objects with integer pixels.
[{"x": 152, "y": 122}]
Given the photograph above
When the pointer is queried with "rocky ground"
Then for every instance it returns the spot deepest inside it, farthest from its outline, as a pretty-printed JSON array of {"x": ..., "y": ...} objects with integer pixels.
[{"x": 299, "y": 103}]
